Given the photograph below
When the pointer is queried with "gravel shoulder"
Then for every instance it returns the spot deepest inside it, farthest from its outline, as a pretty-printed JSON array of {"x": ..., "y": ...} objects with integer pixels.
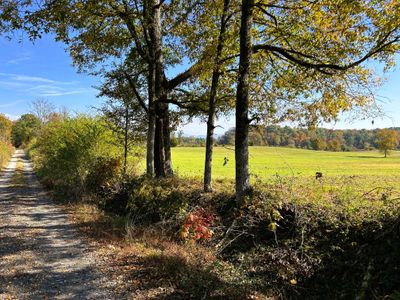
[{"x": 42, "y": 255}]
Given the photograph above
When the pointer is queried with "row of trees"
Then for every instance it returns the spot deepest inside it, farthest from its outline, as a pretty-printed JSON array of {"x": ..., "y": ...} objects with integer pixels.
[
  {"x": 267, "y": 60},
  {"x": 318, "y": 139}
]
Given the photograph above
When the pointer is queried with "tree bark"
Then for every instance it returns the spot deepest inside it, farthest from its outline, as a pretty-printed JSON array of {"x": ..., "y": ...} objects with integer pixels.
[
  {"x": 151, "y": 123},
  {"x": 159, "y": 150},
  {"x": 160, "y": 140},
  {"x": 126, "y": 139},
  {"x": 212, "y": 101},
  {"x": 167, "y": 142},
  {"x": 242, "y": 104}
]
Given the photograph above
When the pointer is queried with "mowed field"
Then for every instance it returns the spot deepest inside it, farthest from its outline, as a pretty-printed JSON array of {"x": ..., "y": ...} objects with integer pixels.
[{"x": 270, "y": 161}]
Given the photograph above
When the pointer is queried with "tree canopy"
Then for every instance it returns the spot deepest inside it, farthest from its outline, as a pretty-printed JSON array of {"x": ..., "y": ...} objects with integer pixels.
[
  {"x": 387, "y": 139},
  {"x": 24, "y": 129},
  {"x": 303, "y": 61}
]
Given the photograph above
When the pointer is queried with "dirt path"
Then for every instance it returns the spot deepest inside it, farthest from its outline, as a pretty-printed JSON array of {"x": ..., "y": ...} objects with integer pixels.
[{"x": 41, "y": 254}]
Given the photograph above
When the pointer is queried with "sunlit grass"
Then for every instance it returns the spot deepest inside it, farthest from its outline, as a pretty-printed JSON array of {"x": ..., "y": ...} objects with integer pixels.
[
  {"x": 18, "y": 178},
  {"x": 269, "y": 161}
]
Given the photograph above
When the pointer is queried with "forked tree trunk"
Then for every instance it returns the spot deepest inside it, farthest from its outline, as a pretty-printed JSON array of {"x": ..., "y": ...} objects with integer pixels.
[
  {"x": 242, "y": 104},
  {"x": 161, "y": 110},
  {"x": 212, "y": 101}
]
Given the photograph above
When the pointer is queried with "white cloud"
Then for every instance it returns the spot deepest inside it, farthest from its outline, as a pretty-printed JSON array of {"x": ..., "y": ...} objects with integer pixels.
[
  {"x": 12, "y": 117},
  {"x": 11, "y": 104},
  {"x": 40, "y": 86},
  {"x": 25, "y": 78},
  {"x": 18, "y": 60}
]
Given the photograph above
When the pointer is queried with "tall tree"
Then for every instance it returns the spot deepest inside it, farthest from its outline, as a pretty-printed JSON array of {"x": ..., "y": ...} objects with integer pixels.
[
  {"x": 42, "y": 109},
  {"x": 314, "y": 39},
  {"x": 242, "y": 103},
  {"x": 212, "y": 105},
  {"x": 125, "y": 110},
  {"x": 101, "y": 32}
]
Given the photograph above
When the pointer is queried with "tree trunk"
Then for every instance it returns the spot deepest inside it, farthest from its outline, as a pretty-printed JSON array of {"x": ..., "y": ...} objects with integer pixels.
[
  {"x": 160, "y": 140},
  {"x": 150, "y": 143},
  {"x": 126, "y": 139},
  {"x": 212, "y": 101},
  {"x": 242, "y": 104},
  {"x": 159, "y": 150},
  {"x": 151, "y": 123},
  {"x": 167, "y": 142},
  {"x": 209, "y": 146}
]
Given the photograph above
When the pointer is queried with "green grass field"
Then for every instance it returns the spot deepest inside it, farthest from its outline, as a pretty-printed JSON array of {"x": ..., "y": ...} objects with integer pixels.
[{"x": 269, "y": 161}]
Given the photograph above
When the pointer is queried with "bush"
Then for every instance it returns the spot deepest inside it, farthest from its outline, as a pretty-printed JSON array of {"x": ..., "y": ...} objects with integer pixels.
[
  {"x": 77, "y": 156},
  {"x": 5, "y": 152},
  {"x": 5, "y": 139}
]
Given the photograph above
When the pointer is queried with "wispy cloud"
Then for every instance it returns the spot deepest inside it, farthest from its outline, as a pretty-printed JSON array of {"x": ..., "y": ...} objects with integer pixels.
[
  {"x": 48, "y": 90},
  {"x": 17, "y": 60},
  {"x": 40, "y": 86},
  {"x": 25, "y": 78},
  {"x": 11, "y": 104}
]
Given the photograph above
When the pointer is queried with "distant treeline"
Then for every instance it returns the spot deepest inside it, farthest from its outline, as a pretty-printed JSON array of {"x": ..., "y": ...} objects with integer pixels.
[{"x": 318, "y": 139}]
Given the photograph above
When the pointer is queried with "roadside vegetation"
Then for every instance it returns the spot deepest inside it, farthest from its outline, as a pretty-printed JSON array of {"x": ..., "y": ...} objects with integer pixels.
[
  {"x": 294, "y": 237},
  {"x": 265, "y": 62},
  {"x": 6, "y": 147}
]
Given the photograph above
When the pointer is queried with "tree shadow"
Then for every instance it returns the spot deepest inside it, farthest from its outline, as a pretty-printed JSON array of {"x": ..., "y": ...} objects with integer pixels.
[
  {"x": 364, "y": 264},
  {"x": 168, "y": 276},
  {"x": 365, "y": 157}
]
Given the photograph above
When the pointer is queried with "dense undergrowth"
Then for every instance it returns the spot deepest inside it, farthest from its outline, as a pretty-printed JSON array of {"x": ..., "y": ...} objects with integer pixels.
[
  {"x": 292, "y": 239},
  {"x": 5, "y": 152},
  {"x": 6, "y": 149}
]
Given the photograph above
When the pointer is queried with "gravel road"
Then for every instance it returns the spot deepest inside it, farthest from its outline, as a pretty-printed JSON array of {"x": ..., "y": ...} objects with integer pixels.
[{"x": 41, "y": 253}]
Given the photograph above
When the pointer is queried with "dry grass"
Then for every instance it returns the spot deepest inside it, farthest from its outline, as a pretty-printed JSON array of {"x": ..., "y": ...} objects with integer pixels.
[{"x": 149, "y": 264}]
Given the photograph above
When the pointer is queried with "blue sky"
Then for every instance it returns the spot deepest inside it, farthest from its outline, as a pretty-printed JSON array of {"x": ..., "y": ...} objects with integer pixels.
[{"x": 44, "y": 70}]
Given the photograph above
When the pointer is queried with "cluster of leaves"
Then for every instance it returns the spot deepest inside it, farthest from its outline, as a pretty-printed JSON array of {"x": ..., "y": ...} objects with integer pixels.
[{"x": 197, "y": 225}]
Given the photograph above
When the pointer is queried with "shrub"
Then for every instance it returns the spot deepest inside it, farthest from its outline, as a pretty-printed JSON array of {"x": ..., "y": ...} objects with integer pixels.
[
  {"x": 77, "y": 156},
  {"x": 5, "y": 152}
]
